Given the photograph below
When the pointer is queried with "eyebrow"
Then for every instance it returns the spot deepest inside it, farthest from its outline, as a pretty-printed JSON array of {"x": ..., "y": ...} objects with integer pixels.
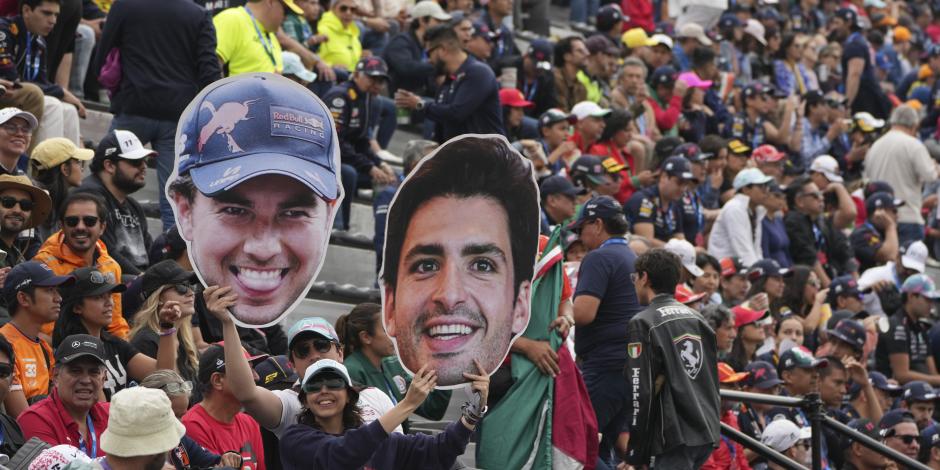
[
  {"x": 472, "y": 249},
  {"x": 300, "y": 200},
  {"x": 230, "y": 197}
]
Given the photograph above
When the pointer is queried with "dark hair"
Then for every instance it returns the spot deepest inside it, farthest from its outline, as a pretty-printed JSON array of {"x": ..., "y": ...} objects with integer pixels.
[
  {"x": 616, "y": 121},
  {"x": 795, "y": 188},
  {"x": 32, "y": 4},
  {"x": 702, "y": 56},
  {"x": 705, "y": 259},
  {"x": 563, "y": 47},
  {"x": 465, "y": 168},
  {"x": 184, "y": 186},
  {"x": 662, "y": 268},
  {"x": 362, "y": 317},
  {"x": 441, "y": 35},
  {"x": 616, "y": 226},
  {"x": 11, "y": 302},
  {"x": 785, "y": 42},
  {"x": 738, "y": 358},
  {"x": 834, "y": 364},
  {"x": 793, "y": 290},
  {"x": 712, "y": 143},
  {"x": 55, "y": 183},
  {"x": 69, "y": 323},
  {"x": 84, "y": 196},
  {"x": 7, "y": 348},
  {"x": 352, "y": 415},
  {"x": 779, "y": 321}
]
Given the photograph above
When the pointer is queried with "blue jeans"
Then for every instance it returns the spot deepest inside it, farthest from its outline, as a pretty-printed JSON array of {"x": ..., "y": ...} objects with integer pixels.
[
  {"x": 384, "y": 107},
  {"x": 350, "y": 179},
  {"x": 161, "y": 136},
  {"x": 581, "y": 10},
  {"x": 610, "y": 397},
  {"x": 909, "y": 233}
]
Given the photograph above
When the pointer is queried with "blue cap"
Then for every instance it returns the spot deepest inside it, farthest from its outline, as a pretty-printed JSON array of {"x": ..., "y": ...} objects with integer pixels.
[
  {"x": 316, "y": 325},
  {"x": 258, "y": 124},
  {"x": 930, "y": 436},
  {"x": 558, "y": 184},
  {"x": 600, "y": 207},
  {"x": 767, "y": 267},
  {"x": 918, "y": 390},
  {"x": 481, "y": 29},
  {"x": 762, "y": 376},
  {"x": 848, "y": 15},
  {"x": 729, "y": 20},
  {"x": 679, "y": 167},
  {"x": 850, "y": 332},
  {"x": 692, "y": 152},
  {"x": 665, "y": 75},
  {"x": 877, "y": 186},
  {"x": 757, "y": 88},
  {"x": 893, "y": 418},
  {"x": 32, "y": 274},
  {"x": 540, "y": 51},
  {"x": 879, "y": 381},
  {"x": 882, "y": 200}
]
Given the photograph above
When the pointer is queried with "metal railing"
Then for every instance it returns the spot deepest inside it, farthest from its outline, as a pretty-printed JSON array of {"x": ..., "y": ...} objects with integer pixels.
[{"x": 813, "y": 407}]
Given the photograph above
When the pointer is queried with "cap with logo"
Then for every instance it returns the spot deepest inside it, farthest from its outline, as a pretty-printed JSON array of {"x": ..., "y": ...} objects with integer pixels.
[
  {"x": 678, "y": 167},
  {"x": 257, "y": 124},
  {"x": 42, "y": 203},
  {"x": 914, "y": 256},
  {"x": 876, "y": 187},
  {"x": 595, "y": 168},
  {"x": 920, "y": 284},
  {"x": 918, "y": 390},
  {"x": 120, "y": 144},
  {"x": 882, "y": 200},
  {"x": 327, "y": 366},
  {"x": 685, "y": 295},
  {"x": 727, "y": 375},
  {"x": 746, "y": 316},
  {"x": 782, "y": 434},
  {"x": 430, "y": 8},
  {"x": 599, "y": 44},
  {"x": 828, "y": 166},
  {"x": 880, "y": 381},
  {"x": 864, "y": 427},
  {"x": 636, "y": 37},
  {"x": 78, "y": 346},
  {"x": 665, "y": 75},
  {"x": 586, "y": 109},
  {"x": 164, "y": 273},
  {"x": 9, "y": 113},
  {"x": 756, "y": 30},
  {"x": 212, "y": 360},
  {"x": 686, "y": 253},
  {"x": 293, "y": 65},
  {"x": 555, "y": 115},
  {"x": 31, "y": 274},
  {"x": 930, "y": 436},
  {"x": 557, "y": 184},
  {"x": 850, "y": 332},
  {"x": 762, "y": 375},
  {"x": 372, "y": 67},
  {"x": 893, "y": 418},
  {"x": 311, "y": 325},
  {"x": 541, "y": 51},
  {"x": 732, "y": 266},
  {"x": 848, "y": 15},
  {"x": 767, "y": 267},
  {"x": 693, "y": 31},
  {"x": 767, "y": 154},
  {"x": 729, "y": 20},
  {"x": 750, "y": 176},
  {"x": 692, "y": 152},
  {"x": 600, "y": 207},
  {"x": 90, "y": 282},
  {"x": 53, "y": 152},
  {"x": 608, "y": 16},
  {"x": 799, "y": 357},
  {"x": 736, "y": 147},
  {"x": 757, "y": 89},
  {"x": 843, "y": 286},
  {"x": 482, "y": 30},
  {"x": 275, "y": 373},
  {"x": 513, "y": 98}
]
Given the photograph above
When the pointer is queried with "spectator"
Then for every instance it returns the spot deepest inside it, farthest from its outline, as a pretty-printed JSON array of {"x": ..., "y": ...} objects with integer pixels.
[
  {"x": 590, "y": 124},
  {"x": 707, "y": 282},
  {"x": 762, "y": 378},
  {"x": 814, "y": 241},
  {"x": 57, "y": 166},
  {"x": 751, "y": 126},
  {"x": 904, "y": 350},
  {"x": 693, "y": 417},
  {"x": 22, "y": 208},
  {"x": 846, "y": 341},
  {"x": 902, "y": 161},
  {"x": 770, "y": 161},
  {"x": 554, "y": 129},
  {"x": 861, "y": 86},
  {"x": 885, "y": 282},
  {"x": 872, "y": 403},
  {"x": 12, "y": 434},
  {"x": 152, "y": 94},
  {"x": 859, "y": 456},
  {"x": 298, "y": 27},
  {"x": 598, "y": 69},
  {"x": 617, "y": 142},
  {"x": 87, "y": 308},
  {"x": 751, "y": 335},
  {"x": 686, "y": 253},
  {"x": 537, "y": 80},
  {"x": 844, "y": 294},
  {"x": 24, "y": 58},
  {"x": 141, "y": 430},
  {"x": 665, "y": 98},
  {"x": 825, "y": 172},
  {"x": 734, "y": 282},
  {"x": 117, "y": 171},
  {"x": 570, "y": 56},
  {"x": 790, "y": 76},
  {"x": 598, "y": 178},
  {"x": 72, "y": 413},
  {"x": 876, "y": 241},
  {"x": 722, "y": 320},
  {"x": 404, "y": 54},
  {"x": 931, "y": 439},
  {"x": 788, "y": 332},
  {"x": 804, "y": 297},
  {"x": 378, "y": 21},
  {"x": 247, "y": 40},
  {"x": 78, "y": 245},
  {"x": 775, "y": 243},
  {"x": 737, "y": 230},
  {"x": 167, "y": 285},
  {"x": 789, "y": 439},
  {"x": 604, "y": 303},
  {"x": 799, "y": 371},
  {"x": 470, "y": 104},
  {"x": 481, "y": 43},
  {"x": 505, "y": 52},
  {"x": 558, "y": 202},
  {"x": 369, "y": 356},
  {"x": 767, "y": 277},
  {"x": 631, "y": 93},
  {"x": 31, "y": 294},
  {"x": 819, "y": 131},
  {"x": 342, "y": 49},
  {"x": 15, "y": 138},
  {"x": 729, "y": 454},
  {"x": 514, "y": 105},
  {"x": 217, "y": 423},
  {"x": 655, "y": 212},
  {"x": 899, "y": 431},
  {"x": 352, "y": 104},
  {"x": 918, "y": 398},
  {"x": 690, "y": 36}
]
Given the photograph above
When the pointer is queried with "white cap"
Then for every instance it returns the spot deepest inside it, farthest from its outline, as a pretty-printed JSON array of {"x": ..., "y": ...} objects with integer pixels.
[
  {"x": 124, "y": 143},
  {"x": 141, "y": 422},
  {"x": 915, "y": 257},
  {"x": 686, "y": 253},
  {"x": 294, "y": 66},
  {"x": 782, "y": 434},
  {"x": 586, "y": 109},
  {"x": 756, "y": 29},
  {"x": 828, "y": 166},
  {"x": 324, "y": 365},
  {"x": 661, "y": 39},
  {"x": 694, "y": 31},
  {"x": 429, "y": 8},
  {"x": 749, "y": 176},
  {"x": 9, "y": 113}
]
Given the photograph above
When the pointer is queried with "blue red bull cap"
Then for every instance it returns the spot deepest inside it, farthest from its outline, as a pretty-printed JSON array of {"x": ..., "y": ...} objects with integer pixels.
[{"x": 257, "y": 124}]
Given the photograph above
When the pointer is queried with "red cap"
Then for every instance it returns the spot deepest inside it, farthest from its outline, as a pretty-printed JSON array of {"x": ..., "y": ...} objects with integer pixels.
[
  {"x": 513, "y": 98},
  {"x": 727, "y": 375},
  {"x": 767, "y": 154},
  {"x": 731, "y": 266},
  {"x": 684, "y": 295},
  {"x": 744, "y": 316}
]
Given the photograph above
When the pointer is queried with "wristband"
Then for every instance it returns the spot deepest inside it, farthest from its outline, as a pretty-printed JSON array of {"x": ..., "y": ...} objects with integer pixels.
[
  {"x": 166, "y": 325},
  {"x": 168, "y": 332}
]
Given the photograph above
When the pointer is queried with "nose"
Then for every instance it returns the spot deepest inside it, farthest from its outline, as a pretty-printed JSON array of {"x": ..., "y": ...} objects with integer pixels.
[
  {"x": 449, "y": 291},
  {"x": 263, "y": 244}
]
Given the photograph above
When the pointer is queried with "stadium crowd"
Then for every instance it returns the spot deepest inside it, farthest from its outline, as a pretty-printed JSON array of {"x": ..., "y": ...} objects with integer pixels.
[{"x": 762, "y": 173}]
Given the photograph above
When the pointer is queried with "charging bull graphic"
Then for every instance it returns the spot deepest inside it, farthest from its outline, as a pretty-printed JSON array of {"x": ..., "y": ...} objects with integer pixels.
[{"x": 223, "y": 122}]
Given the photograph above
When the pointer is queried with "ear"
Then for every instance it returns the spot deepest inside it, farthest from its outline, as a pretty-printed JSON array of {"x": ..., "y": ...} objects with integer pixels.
[
  {"x": 365, "y": 337},
  {"x": 521, "y": 309},
  {"x": 184, "y": 212},
  {"x": 22, "y": 299},
  {"x": 389, "y": 310},
  {"x": 109, "y": 166},
  {"x": 65, "y": 168},
  {"x": 217, "y": 381}
]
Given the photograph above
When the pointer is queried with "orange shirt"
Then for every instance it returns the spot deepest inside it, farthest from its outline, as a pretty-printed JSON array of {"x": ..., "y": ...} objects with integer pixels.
[{"x": 32, "y": 369}]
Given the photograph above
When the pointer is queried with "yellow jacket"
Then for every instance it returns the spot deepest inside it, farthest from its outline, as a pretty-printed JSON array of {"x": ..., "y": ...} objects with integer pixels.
[
  {"x": 344, "y": 47},
  {"x": 57, "y": 255}
]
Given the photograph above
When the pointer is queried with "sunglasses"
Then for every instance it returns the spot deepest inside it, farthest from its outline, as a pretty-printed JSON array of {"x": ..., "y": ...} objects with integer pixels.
[
  {"x": 330, "y": 384},
  {"x": 907, "y": 439},
  {"x": 138, "y": 162},
  {"x": 183, "y": 289},
  {"x": 88, "y": 220},
  {"x": 5, "y": 370},
  {"x": 8, "y": 202},
  {"x": 178, "y": 387},
  {"x": 345, "y": 8},
  {"x": 303, "y": 350}
]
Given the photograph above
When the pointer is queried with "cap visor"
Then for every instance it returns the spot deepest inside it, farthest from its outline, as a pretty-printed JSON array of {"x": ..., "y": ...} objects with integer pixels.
[
  {"x": 735, "y": 377},
  {"x": 575, "y": 191},
  {"x": 112, "y": 288},
  {"x": 79, "y": 355},
  {"x": 33, "y": 122},
  {"x": 83, "y": 154},
  {"x": 212, "y": 179},
  {"x": 56, "y": 281},
  {"x": 911, "y": 263},
  {"x": 833, "y": 177},
  {"x": 293, "y": 7},
  {"x": 301, "y": 334},
  {"x": 306, "y": 75},
  {"x": 442, "y": 16},
  {"x": 768, "y": 384},
  {"x": 138, "y": 154},
  {"x": 694, "y": 270}
]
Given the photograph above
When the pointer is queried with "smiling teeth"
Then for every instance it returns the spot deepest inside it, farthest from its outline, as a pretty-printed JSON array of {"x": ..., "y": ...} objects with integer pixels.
[
  {"x": 261, "y": 280},
  {"x": 449, "y": 330}
]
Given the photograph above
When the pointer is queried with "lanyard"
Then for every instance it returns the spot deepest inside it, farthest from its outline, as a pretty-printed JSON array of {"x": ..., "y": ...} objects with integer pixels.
[
  {"x": 668, "y": 216},
  {"x": 614, "y": 241},
  {"x": 530, "y": 90},
  {"x": 94, "y": 439},
  {"x": 391, "y": 392},
  {"x": 32, "y": 61},
  {"x": 730, "y": 447},
  {"x": 265, "y": 42}
]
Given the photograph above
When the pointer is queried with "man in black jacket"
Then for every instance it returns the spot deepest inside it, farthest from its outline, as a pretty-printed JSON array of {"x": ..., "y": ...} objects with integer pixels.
[
  {"x": 408, "y": 64},
  {"x": 167, "y": 56},
  {"x": 674, "y": 421},
  {"x": 814, "y": 241},
  {"x": 117, "y": 171}
]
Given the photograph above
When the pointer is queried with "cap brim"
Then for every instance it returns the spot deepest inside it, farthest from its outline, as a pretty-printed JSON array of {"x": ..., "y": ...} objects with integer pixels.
[
  {"x": 832, "y": 176},
  {"x": 909, "y": 263},
  {"x": 293, "y": 7},
  {"x": 694, "y": 270},
  {"x": 105, "y": 289},
  {"x": 137, "y": 155},
  {"x": 79, "y": 355},
  {"x": 303, "y": 74},
  {"x": 768, "y": 384},
  {"x": 575, "y": 191},
  {"x": 83, "y": 154},
  {"x": 212, "y": 179},
  {"x": 735, "y": 377},
  {"x": 56, "y": 281},
  {"x": 303, "y": 333},
  {"x": 442, "y": 16},
  {"x": 845, "y": 339}
]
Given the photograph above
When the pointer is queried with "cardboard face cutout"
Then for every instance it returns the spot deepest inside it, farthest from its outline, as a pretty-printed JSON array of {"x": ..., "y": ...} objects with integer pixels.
[
  {"x": 254, "y": 190},
  {"x": 460, "y": 246}
]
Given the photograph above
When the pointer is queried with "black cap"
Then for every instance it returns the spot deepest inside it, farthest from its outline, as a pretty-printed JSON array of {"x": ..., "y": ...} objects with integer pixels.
[
  {"x": 275, "y": 373},
  {"x": 554, "y": 115},
  {"x": 212, "y": 360},
  {"x": 77, "y": 346},
  {"x": 541, "y": 51},
  {"x": 600, "y": 207},
  {"x": 167, "y": 245},
  {"x": 692, "y": 152},
  {"x": 601, "y": 45},
  {"x": 762, "y": 375},
  {"x": 769, "y": 13},
  {"x": 893, "y": 418},
  {"x": 679, "y": 167},
  {"x": 607, "y": 17},
  {"x": 757, "y": 88},
  {"x": 882, "y": 200},
  {"x": 373, "y": 66},
  {"x": 557, "y": 184},
  {"x": 848, "y": 15},
  {"x": 865, "y": 427},
  {"x": 31, "y": 274},
  {"x": 593, "y": 167},
  {"x": 843, "y": 285},
  {"x": 166, "y": 272},
  {"x": 918, "y": 390},
  {"x": 767, "y": 267},
  {"x": 877, "y": 186},
  {"x": 665, "y": 75},
  {"x": 814, "y": 97},
  {"x": 666, "y": 146},
  {"x": 90, "y": 282},
  {"x": 850, "y": 332}
]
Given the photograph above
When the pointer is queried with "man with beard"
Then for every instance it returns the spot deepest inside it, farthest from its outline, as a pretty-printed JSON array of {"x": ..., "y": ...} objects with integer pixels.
[
  {"x": 468, "y": 102},
  {"x": 117, "y": 171},
  {"x": 22, "y": 207},
  {"x": 460, "y": 243}
]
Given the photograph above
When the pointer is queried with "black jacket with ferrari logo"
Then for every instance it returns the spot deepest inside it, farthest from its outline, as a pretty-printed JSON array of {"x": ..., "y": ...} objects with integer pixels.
[{"x": 672, "y": 373}]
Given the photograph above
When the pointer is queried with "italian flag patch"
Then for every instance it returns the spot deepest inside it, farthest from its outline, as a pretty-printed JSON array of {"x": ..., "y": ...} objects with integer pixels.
[{"x": 634, "y": 350}]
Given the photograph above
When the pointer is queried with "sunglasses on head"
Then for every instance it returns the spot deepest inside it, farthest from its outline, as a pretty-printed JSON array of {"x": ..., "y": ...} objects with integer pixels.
[
  {"x": 178, "y": 387},
  {"x": 8, "y": 202},
  {"x": 303, "y": 350},
  {"x": 5, "y": 370},
  {"x": 88, "y": 220},
  {"x": 331, "y": 384}
]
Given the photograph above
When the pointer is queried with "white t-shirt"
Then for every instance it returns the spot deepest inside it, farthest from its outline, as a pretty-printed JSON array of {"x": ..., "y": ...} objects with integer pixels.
[
  {"x": 373, "y": 403},
  {"x": 903, "y": 162}
]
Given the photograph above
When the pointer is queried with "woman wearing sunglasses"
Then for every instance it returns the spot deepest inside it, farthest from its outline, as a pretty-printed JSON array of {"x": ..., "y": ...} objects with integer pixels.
[
  {"x": 166, "y": 283},
  {"x": 87, "y": 308},
  {"x": 188, "y": 451},
  {"x": 331, "y": 433},
  {"x": 57, "y": 165}
]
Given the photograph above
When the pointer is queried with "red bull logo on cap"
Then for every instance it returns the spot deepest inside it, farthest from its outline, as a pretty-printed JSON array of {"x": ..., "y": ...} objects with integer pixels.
[{"x": 289, "y": 122}]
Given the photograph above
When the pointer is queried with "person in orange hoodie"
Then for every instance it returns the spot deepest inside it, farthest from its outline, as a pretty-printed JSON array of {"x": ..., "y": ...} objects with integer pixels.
[{"x": 78, "y": 245}]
